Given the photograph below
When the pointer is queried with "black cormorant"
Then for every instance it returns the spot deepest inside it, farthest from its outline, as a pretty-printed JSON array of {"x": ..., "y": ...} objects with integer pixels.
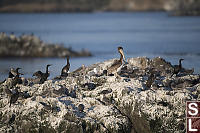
[
  {"x": 42, "y": 76},
  {"x": 65, "y": 69},
  {"x": 177, "y": 68}
]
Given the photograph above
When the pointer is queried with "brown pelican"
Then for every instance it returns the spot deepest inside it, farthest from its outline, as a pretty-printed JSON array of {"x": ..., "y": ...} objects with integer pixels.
[
  {"x": 65, "y": 69},
  {"x": 42, "y": 76},
  {"x": 113, "y": 68},
  {"x": 177, "y": 68}
]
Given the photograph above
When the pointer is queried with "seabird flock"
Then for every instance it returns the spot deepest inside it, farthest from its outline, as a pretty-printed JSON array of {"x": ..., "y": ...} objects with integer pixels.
[{"x": 41, "y": 77}]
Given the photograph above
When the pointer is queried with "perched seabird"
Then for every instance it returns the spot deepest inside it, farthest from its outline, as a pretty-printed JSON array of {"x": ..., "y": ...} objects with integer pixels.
[
  {"x": 47, "y": 74},
  {"x": 188, "y": 71},
  {"x": 14, "y": 73},
  {"x": 38, "y": 74},
  {"x": 79, "y": 71},
  {"x": 24, "y": 94},
  {"x": 151, "y": 79},
  {"x": 81, "y": 107},
  {"x": 177, "y": 68},
  {"x": 14, "y": 96},
  {"x": 42, "y": 76},
  {"x": 113, "y": 68},
  {"x": 65, "y": 69},
  {"x": 8, "y": 91}
]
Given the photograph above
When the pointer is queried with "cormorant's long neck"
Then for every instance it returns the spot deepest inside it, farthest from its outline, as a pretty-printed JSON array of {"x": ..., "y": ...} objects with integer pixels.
[
  {"x": 17, "y": 70},
  {"x": 47, "y": 69},
  {"x": 67, "y": 61},
  {"x": 180, "y": 64}
]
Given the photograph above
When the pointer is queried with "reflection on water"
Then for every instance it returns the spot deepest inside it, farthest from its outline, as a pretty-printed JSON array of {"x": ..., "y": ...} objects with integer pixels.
[{"x": 148, "y": 34}]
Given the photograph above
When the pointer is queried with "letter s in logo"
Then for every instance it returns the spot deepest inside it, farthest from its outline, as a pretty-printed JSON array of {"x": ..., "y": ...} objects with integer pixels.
[{"x": 193, "y": 108}]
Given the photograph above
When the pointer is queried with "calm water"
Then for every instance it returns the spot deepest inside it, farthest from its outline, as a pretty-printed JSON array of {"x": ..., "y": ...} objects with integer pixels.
[{"x": 148, "y": 34}]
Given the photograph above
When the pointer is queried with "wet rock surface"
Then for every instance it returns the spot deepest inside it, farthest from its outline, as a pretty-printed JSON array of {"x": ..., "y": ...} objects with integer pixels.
[
  {"x": 32, "y": 46},
  {"x": 87, "y": 102}
]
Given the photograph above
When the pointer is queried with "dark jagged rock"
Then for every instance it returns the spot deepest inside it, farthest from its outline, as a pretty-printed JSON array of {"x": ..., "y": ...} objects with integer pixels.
[
  {"x": 106, "y": 91},
  {"x": 46, "y": 106},
  {"x": 90, "y": 86},
  {"x": 61, "y": 91},
  {"x": 12, "y": 119},
  {"x": 24, "y": 95}
]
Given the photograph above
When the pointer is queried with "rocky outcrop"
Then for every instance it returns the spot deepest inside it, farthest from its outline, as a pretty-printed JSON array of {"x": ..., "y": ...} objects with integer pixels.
[
  {"x": 92, "y": 102},
  {"x": 32, "y": 46},
  {"x": 178, "y": 7}
]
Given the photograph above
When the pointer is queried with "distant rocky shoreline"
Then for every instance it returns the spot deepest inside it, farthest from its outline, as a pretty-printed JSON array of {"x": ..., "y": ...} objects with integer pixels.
[
  {"x": 87, "y": 101},
  {"x": 32, "y": 46},
  {"x": 178, "y": 7}
]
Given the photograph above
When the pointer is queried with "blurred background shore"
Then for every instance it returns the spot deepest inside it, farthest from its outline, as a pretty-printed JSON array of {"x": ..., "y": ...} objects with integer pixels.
[{"x": 178, "y": 7}]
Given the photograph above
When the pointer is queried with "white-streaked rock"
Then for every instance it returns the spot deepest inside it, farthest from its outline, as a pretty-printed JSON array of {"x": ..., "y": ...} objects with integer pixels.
[{"x": 114, "y": 111}]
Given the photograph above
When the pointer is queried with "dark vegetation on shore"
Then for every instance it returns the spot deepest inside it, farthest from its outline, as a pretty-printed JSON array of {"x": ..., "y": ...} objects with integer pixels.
[
  {"x": 178, "y": 7},
  {"x": 187, "y": 8}
]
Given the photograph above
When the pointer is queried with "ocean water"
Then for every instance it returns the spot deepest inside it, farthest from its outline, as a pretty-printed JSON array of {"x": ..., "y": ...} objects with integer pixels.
[{"x": 149, "y": 34}]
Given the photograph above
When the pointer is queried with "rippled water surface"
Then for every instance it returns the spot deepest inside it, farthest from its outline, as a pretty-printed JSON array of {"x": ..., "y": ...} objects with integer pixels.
[{"x": 148, "y": 34}]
